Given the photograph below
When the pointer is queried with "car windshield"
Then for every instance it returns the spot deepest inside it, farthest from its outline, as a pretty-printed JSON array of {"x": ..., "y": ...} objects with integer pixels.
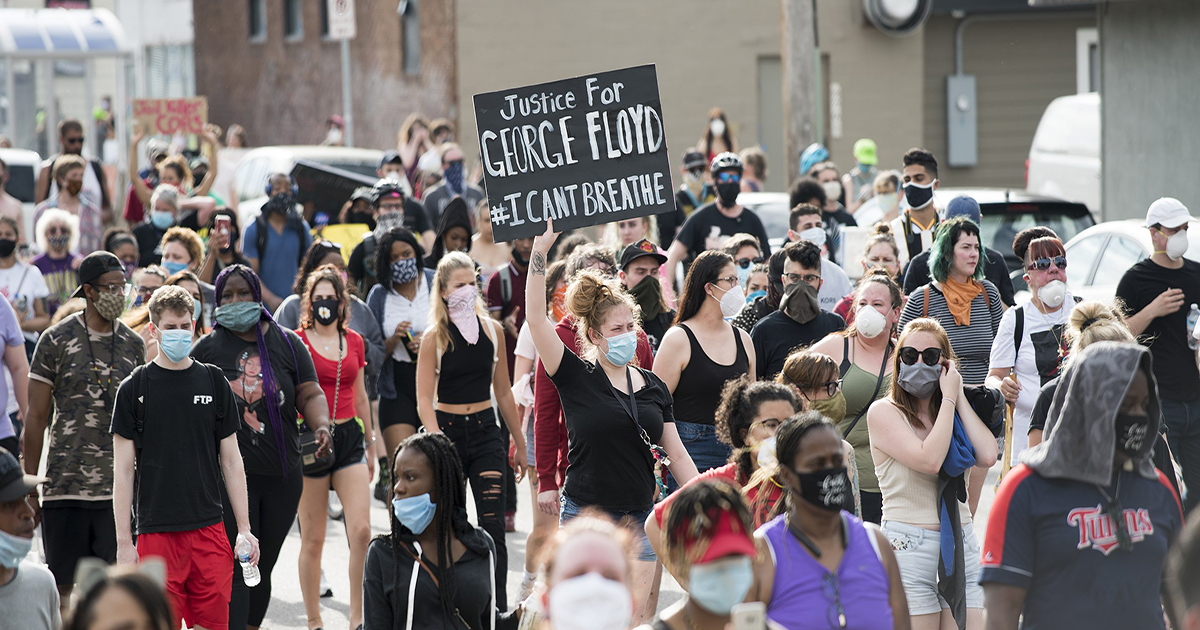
[{"x": 1000, "y": 229}]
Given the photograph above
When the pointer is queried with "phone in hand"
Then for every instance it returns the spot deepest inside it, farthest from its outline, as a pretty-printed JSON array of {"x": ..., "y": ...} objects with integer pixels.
[
  {"x": 749, "y": 616},
  {"x": 222, "y": 223}
]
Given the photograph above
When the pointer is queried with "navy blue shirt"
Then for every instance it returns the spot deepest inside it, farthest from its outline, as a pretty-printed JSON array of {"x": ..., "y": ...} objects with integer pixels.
[{"x": 1053, "y": 538}]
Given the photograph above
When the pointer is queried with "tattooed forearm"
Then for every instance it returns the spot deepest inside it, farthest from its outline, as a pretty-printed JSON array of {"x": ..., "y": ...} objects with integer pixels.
[{"x": 538, "y": 263}]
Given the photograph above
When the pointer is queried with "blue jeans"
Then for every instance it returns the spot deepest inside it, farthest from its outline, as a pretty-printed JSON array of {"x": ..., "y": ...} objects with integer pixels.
[
  {"x": 700, "y": 441},
  {"x": 634, "y": 520},
  {"x": 1182, "y": 419}
]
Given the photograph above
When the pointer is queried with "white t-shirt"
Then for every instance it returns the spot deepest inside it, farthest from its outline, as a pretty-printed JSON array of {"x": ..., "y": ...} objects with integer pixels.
[
  {"x": 525, "y": 347},
  {"x": 835, "y": 285},
  {"x": 397, "y": 308},
  {"x": 1026, "y": 364},
  {"x": 23, "y": 282}
]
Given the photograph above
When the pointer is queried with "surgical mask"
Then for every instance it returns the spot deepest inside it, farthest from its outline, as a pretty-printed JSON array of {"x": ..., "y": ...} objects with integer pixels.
[
  {"x": 404, "y": 270},
  {"x": 334, "y": 135},
  {"x": 621, "y": 348},
  {"x": 13, "y": 549},
  {"x": 753, "y": 296},
  {"x": 833, "y": 190},
  {"x": 918, "y": 196},
  {"x": 74, "y": 187},
  {"x": 728, "y": 193},
  {"x": 1053, "y": 293},
  {"x": 743, "y": 274},
  {"x": 239, "y": 316},
  {"x": 415, "y": 513},
  {"x": 919, "y": 379},
  {"x": 720, "y": 585},
  {"x": 173, "y": 267},
  {"x": 1131, "y": 433},
  {"x": 1177, "y": 245},
  {"x": 325, "y": 310},
  {"x": 59, "y": 241},
  {"x": 109, "y": 306},
  {"x": 732, "y": 302},
  {"x": 869, "y": 322},
  {"x": 833, "y": 407},
  {"x": 815, "y": 234},
  {"x": 717, "y": 127},
  {"x": 825, "y": 489},
  {"x": 887, "y": 201},
  {"x": 162, "y": 219},
  {"x": 197, "y": 309},
  {"x": 176, "y": 344},
  {"x": 766, "y": 454},
  {"x": 590, "y": 602}
]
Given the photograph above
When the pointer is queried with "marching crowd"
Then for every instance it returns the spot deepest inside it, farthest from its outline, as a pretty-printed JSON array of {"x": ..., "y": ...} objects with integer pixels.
[{"x": 797, "y": 450}]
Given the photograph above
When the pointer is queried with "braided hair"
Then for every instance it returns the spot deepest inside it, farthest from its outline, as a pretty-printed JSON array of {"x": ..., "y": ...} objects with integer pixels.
[
  {"x": 270, "y": 384},
  {"x": 450, "y": 517}
]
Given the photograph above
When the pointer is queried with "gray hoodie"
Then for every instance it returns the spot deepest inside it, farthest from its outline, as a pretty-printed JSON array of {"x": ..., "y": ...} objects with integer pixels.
[{"x": 1081, "y": 427}]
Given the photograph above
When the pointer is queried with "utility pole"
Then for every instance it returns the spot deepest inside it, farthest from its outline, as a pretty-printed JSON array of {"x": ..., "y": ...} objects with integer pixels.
[{"x": 799, "y": 83}]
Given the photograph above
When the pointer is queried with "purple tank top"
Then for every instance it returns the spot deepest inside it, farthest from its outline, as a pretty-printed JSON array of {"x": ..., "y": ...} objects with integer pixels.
[{"x": 803, "y": 594}]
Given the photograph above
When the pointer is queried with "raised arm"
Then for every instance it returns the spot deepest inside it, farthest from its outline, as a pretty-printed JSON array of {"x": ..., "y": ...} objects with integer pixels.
[
  {"x": 549, "y": 347},
  {"x": 209, "y": 148},
  {"x": 140, "y": 188}
]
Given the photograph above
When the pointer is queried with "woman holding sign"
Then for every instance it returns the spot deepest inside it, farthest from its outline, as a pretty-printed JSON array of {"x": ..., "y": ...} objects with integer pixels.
[{"x": 620, "y": 425}]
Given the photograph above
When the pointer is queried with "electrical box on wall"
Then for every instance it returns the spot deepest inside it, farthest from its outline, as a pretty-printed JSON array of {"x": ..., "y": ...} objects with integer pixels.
[{"x": 961, "y": 121}]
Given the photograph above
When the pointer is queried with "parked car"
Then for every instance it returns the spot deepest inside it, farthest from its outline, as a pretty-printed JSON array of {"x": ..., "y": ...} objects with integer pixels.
[
  {"x": 258, "y": 164},
  {"x": 772, "y": 209},
  {"x": 1064, "y": 159},
  {"x": 23, "y": 167},
  {"x": 1098, "y": 256}
]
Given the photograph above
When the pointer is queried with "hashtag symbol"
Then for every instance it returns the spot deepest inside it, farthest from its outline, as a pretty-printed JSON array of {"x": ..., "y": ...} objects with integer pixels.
[{"x": 499, "y": 215}]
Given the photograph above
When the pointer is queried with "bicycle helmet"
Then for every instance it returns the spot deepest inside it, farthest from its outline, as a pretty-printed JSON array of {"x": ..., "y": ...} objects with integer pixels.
[
  {"x": 386, "y": 188},
  {"x": 726, "y": 161}
]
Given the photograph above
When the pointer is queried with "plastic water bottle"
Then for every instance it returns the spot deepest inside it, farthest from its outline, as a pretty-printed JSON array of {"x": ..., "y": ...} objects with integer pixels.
[
  {"x": 1193, "y": 317},
  {"x": 250, "y": 573}
]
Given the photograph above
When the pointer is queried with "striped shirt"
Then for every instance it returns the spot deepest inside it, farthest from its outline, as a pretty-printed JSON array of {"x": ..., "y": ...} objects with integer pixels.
[{"x": 972, "y": 344}]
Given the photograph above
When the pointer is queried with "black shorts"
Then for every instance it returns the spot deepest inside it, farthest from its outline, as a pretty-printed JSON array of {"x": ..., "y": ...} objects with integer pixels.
[
  {"x": 348, "y": 447},
  {"x": 72, "y": 533},
  {"x": 403, "y": 408}
]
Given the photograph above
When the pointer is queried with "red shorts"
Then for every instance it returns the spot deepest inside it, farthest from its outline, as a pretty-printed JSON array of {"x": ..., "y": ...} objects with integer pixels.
[{"x": 199, "y": 573}]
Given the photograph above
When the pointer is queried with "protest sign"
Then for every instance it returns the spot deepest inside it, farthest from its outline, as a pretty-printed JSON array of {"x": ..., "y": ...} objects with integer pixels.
[
  {"x": 583, "y": 151},
  {"x": 170, "y": 116},
  {"x": 326, "y": 187}
]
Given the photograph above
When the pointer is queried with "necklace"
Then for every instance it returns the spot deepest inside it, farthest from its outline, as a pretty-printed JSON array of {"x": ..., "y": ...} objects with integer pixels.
[{"x": 105, "y": 386}]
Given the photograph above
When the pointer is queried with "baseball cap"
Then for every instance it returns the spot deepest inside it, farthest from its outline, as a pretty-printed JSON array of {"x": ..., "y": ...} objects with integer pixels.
[
  {"x": 964, "y": 206},
  {"x": 197, "y": 161},
  {"x": 362, "y": 192},
  {"x": 95, "y": 265},
  {"x": 14, "y": 483},
  {"x": 390, "y": 157},
  {"x": 693, "y": 160},
  {"x": 156, "y": 147},
  {"x": 727, "y": 539},
  {"x": 640, "y": 249},
  {"x": 1168, "y": 212},
  {"x": 864, "y": 152}
]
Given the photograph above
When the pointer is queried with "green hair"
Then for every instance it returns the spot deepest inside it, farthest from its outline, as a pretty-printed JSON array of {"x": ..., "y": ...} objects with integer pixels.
[{"x": 941, "y": 254}]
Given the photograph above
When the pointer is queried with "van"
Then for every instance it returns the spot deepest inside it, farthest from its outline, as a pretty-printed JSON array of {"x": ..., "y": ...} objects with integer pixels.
[
  {"x": 258, "y": 164},
  {"x": 1064, "y": 160}
]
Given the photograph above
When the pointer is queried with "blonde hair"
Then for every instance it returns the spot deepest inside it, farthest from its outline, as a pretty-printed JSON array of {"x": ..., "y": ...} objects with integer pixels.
[
  {"x": 168, "y": 194},
  {"x": 1092, "y": 321},
  {"x": 439, "y": 315},
  {"x": 590, "y": 298},
  {"x": 755, "y": 159},
  {"x": 52, "y": 215},
  {"x": 190, "y": 241},
  {"x": 904, "y": 401},
  {"x": 612, "y": 237},
  {"x": 66, "y": 163}
]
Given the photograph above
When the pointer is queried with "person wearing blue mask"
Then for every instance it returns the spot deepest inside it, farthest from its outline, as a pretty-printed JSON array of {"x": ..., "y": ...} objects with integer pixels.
[
  {"x": 164, "y": 214},
  {"x": 166, "y": 417},
  {"x": 182, "y": 250},
  {"x": 454, "y": 184},
  {"x": 27, "y": 594},
  {"x": 620, "y": 427},
  {"x": 757, "y": 282}
]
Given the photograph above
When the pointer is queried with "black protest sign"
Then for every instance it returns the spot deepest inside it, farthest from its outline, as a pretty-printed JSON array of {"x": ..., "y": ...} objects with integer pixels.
[{"x": 583, "y": 151}]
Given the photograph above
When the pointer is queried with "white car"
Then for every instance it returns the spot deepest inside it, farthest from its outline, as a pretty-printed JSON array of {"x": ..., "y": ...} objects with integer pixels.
[
  {"x": 1098, "y": 256},
  {"x": 258, "y": 164},
  {"x": 23, "y": 167},
  {"x": 1064, "y": 159}
]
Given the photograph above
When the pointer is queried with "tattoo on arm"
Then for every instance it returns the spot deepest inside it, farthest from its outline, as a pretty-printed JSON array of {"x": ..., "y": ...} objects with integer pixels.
[{"x": 538, "y": 263}]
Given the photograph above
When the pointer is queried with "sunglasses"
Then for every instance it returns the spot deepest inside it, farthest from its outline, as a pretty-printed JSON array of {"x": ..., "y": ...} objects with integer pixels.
[
  {"x": 929, "y": 356},
  {"x": 728, "y": 177},
  {"x": 745, "y": 263},
  {"x": 330, "y": 245},
  {"x": 73, "y": 140},
  {"x": 1042, "y": 264}
]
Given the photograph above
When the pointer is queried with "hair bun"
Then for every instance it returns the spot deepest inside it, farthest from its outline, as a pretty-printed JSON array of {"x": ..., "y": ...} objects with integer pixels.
[{"x": 882, "y": 228}]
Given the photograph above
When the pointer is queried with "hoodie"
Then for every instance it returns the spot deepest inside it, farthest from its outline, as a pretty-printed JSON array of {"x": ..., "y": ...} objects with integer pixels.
[{"x": 456, "y": 214}]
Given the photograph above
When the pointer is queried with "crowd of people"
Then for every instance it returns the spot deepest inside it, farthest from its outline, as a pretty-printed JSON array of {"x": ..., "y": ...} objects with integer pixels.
[{"x": 796, "y": 449}]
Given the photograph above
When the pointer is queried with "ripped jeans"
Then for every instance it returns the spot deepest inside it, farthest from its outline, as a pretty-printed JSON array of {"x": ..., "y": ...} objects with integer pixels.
[{"x": 477, "y": 439}]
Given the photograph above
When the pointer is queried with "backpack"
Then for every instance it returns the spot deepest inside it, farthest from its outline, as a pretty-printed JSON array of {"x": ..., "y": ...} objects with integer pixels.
[
  {"x": 506, "y": 282},
  {"x": 293, "y": 223}
]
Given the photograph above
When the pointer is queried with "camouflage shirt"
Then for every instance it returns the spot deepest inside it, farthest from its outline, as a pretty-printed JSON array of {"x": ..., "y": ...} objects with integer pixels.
[{"x": 84, "y": 374}]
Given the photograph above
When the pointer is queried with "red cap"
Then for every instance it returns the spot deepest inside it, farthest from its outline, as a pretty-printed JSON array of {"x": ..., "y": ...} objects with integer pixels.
[{"x": 728, "y": 539}]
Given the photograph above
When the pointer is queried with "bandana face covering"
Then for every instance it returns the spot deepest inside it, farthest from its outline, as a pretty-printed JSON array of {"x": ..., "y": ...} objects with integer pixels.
[
  {"x": 648, "y": 294},
  {"x": 800, "y": 302},
  {"x": 461, "y": 305}
]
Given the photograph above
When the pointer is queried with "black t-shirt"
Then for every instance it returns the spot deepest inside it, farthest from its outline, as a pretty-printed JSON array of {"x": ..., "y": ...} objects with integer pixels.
[
  {"x": 179, "y": 470},
  {"x": 995, "y": 270},
  {"x": 149, "y": 237},
  {"x": 415, "y": 218},
  {"x": 707, "y": 228},
  {"x": 240, "y": 361},
  {"x": 1167, "y": 336},
  {"x": 610, "y": 466},
  {"x": 668, "y": 222},
  {"x": 776, "y": 335}
]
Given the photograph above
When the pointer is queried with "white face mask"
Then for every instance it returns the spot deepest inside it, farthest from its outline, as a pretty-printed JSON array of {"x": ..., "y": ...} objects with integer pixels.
[
  {"x": 1177, "y": 245},
  {"x": 815, "y": 234},
  {"x": 717, "y": 127},
  {"x": 1053, "y": 293},
  {"x": 766, "y": 453},
  {"x": 833, "y": 190},
  {"x": 590, "y": 602},
  {"x": 732, "y": 302},
  {"x": 869, "y": 322}
]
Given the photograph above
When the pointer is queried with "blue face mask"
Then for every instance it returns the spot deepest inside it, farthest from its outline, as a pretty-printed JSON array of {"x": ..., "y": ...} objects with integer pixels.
[
  {"x": 162, "y": 219},
  {"x": 621, "y": 348},
  {"x": 239, "y": 316},
  {"x": 404, "y": 270},
  {"x": 415, "y": 513},
  {"x": 753, "y": 296},
  {"x": 743, "y": 274},
  {"x": 196, "y": 310},
  {"x": 173, "y": 267},
  {"x": 720, "y": 585},
  {"x": 176, "y": 344},
  {"x": 13, "y": 549}
]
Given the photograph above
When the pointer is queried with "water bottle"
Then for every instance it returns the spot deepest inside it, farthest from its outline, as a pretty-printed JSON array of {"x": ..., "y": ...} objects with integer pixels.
[
  {"x": 1193, "y": 317},
  {"x": 250, "y": 573}
]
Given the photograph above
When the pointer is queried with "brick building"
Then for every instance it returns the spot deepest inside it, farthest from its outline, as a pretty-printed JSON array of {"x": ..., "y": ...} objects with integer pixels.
[{"x": 267, "y": 65}]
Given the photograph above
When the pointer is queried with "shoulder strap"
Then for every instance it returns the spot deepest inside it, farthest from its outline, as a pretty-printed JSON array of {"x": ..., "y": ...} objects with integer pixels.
[
  {"x": 925, "y": 309},
  {"x": 878, "y": 384},
  {"x": 297, "y": 223},
  {"x": 260, "y": 236},
  {"x": 1018, "y": 331},
  {"x": 845, "y": 366},
  {"x": 99, "y": 172},
  {"x": 505, "y": 285}
]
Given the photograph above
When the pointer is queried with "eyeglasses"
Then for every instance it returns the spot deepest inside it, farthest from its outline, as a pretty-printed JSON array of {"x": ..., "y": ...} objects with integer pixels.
[
  {"x": 696, "y": 172},
  {"x": 810, "y": 278},
  {"x": 835, "y": 614},
  {"x": 732, "y": 280},
  {"x": 746, "y": 263},
  {"x": 113, "y": 289},
  {"x": 831, "y": 387},
  {"x": 929, "y": 356},
  {"x": 1042, "y": 264},
  {"x": 728, "y": 177},
  {"x": 78, "y": 140},
  {"x": 770, "y": 424},
  {"x": 145, "y": 290}
]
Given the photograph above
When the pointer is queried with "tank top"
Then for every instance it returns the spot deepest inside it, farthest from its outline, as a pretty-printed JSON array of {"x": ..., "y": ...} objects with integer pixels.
[
  {"x": 803, "y": 594},
  {"x": 910, "y": 496},
  {"x": 858, "y": 385},
  {"x": 466, "y": 370},
  {"x": 699, "y": 390}
]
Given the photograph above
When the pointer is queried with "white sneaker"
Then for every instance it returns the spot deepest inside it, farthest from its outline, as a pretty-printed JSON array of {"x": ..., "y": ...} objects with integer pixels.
[
  {"x": 326, "y": 589},
  {"x": 335, "y": 506}
]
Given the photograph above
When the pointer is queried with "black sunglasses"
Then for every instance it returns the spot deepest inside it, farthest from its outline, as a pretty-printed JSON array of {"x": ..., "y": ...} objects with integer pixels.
[
  {"x": 73, "y": 140},
  {"x": 746, "y": 263},
  {"x": 929, "y": 356},
  {"x": 1042, "y": 264}
]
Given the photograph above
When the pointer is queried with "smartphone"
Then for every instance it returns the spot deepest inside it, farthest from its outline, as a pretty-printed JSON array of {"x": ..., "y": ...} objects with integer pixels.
[
  {"x": 749, "y": 616},
  {"x": 222, "y": 223}
]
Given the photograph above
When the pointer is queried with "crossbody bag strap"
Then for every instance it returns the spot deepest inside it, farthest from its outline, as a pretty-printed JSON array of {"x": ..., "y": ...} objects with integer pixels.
[
  {"x": 878, "y": 384},
  {"x": 656, "y": 451}
]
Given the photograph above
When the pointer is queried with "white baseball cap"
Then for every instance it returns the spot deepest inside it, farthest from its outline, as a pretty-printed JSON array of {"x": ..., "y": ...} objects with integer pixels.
[{"x": 1168, "y": 212}]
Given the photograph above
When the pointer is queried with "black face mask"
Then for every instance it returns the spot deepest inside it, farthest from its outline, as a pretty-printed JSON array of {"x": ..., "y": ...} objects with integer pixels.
[
  {"x": 918, "y": 196},
  {"x": 827, "y": 489},
  {"x": 728, "y": 193},
  {"x": 6, "y": 247},
  {"x": 1131, "y": 433},
  {"x": 361, "y": 217},
  {"x": 325, "y": 310}
]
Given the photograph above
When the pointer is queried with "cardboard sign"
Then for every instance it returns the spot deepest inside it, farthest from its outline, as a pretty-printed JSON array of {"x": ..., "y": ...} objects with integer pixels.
[
  {"x": 326, "y": 187},
  {"x": 584, "y": 151},
  {"x": 169, "y": 116}
]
